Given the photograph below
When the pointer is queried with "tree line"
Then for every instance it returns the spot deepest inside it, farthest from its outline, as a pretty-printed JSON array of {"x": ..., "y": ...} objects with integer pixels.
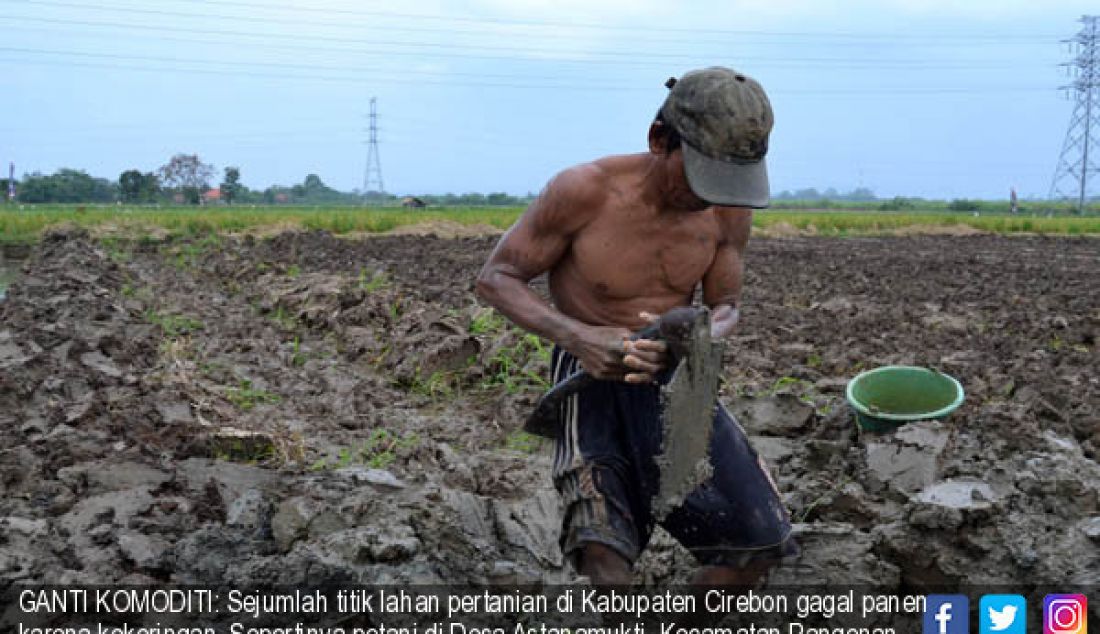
[
  {"x": 187, "y": 180},
  {"x": 184, "y": 179}
]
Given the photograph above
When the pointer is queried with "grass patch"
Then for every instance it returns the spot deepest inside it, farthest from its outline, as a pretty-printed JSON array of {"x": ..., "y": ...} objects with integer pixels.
[
  {"x": 866, "y": 223},
  {"x": 188, "y": 255},
  {"x": 25, "y": 223},
  {"x": 297, "y": 359},
  {"x": 246, "y": 397},
  {"x": 789, "y": 384},
  {"x": 283, "y": 318},
  {"x": 379, "y": 451},
  {"x": 523, "y": 442},
  {"x": 437, "y": 385},
  {"x": 377, "y": 280},
  {"x": 173, "y": 325},
  {"x": 488, "y": 322},
  {"x": 509, "y": 367}
]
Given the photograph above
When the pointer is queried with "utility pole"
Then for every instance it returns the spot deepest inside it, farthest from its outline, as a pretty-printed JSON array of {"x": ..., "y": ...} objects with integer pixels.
[
  {"x": 11, "y": 182},
  {"x": 373, "y": 173},
  {"x": 1078, "y": 159}
]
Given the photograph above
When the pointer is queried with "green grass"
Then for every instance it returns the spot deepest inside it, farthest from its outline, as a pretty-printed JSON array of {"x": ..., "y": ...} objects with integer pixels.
[
  {"x": 523, "y": 442},
  {"x": 284, "y": 319},
  {"x": 375, "y": 281},
  {"x": 173, "y": 325},
  {"x": 870, "y": 223},
  {"x": 508, "y": 368},
  {"x": 246, "y": 397},
  {"x": 379, "y": 451},
  {"x": 26, "y": 224}
]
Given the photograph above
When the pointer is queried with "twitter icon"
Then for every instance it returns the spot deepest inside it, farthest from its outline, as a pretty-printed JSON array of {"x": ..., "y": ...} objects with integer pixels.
[{"x": 1003, "y": 614}]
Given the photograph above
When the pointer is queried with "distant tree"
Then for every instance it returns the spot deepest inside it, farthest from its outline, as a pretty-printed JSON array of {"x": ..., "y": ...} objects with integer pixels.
[
  {"x": 313, "y": 184},
  {"x": 129, "y": 185},
  {"x": 963, "y": 204},
  {"x": 66, "y": 186},
  {"x": 898, "y": 203},
  {"x": 231, "y": 187},
  {"x": 861, "y": 193},
  {"x": 135, "y": 187},
  {"x": 188, "y": 175}
]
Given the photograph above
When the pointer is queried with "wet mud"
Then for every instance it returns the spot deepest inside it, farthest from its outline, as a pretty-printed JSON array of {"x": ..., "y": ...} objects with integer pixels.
[{"x": 310, "y": 409}]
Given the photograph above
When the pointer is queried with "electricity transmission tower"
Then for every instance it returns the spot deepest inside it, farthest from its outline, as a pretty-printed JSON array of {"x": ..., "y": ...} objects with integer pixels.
[
  {"x": 373, "y": 173},
  {"x": 1079, "y": 151}
]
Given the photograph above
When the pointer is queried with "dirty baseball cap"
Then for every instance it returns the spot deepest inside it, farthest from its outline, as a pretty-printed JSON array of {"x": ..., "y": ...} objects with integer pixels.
[{"x": 723, "y": 118}]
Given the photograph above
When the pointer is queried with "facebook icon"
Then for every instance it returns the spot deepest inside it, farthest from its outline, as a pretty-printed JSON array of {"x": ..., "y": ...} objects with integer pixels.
[{"x": 947, "y": 614}]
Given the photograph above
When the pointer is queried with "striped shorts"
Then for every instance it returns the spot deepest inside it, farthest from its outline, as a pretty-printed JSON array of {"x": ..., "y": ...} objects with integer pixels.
[{"x": 607, "y": 475}]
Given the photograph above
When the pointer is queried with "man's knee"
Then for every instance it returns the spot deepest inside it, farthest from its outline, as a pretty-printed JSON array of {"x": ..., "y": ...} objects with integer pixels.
[{"x": 604, "y": 565}]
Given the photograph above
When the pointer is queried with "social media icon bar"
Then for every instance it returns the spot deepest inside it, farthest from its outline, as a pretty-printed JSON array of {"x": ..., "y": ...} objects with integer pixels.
[
  {"x": 1065, "y": 614},
  {"x": 946, "y": 614},
  {"x": 1002, "y": 614}
]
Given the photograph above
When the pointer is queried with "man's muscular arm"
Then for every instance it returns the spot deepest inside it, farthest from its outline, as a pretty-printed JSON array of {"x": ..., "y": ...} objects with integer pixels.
[
  {"x": 722, "y": 282},
  {"x": 533, "y": 246}
]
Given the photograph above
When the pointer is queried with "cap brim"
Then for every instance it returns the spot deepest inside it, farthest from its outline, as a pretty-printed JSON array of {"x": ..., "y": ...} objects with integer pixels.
[{"x": 728, "y": 184}]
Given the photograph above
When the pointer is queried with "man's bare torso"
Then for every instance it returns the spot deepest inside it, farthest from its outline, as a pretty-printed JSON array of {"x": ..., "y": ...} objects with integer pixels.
[{"x": 632, "y": 256}]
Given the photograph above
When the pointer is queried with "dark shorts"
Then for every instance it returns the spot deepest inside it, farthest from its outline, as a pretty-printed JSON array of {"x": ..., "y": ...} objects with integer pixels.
[{"x": 605, "y": 471}]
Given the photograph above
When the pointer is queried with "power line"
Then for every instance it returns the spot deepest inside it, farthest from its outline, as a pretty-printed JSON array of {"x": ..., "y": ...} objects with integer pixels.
[
  {"x": 314, "y": 67},
  {"x": 599, "y": 56},
  {"x": 600, "y": 87},
  {"x": 556, "y": 34},
  {"x": 277, "y": 65},
  {"x": 343, "y": 79},
  {"x": 611, "y": 27}
]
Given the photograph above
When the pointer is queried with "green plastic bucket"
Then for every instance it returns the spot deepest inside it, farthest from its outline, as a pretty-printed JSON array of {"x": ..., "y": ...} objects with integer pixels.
[{"x": 890, "y": 396}]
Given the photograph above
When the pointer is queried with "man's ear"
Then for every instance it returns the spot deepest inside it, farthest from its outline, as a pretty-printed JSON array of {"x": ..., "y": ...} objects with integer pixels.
[{"x": 657, "y": 140}]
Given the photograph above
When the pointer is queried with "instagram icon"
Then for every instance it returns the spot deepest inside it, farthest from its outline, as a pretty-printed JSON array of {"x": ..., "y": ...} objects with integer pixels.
[{"x": 1065, "y": 614}]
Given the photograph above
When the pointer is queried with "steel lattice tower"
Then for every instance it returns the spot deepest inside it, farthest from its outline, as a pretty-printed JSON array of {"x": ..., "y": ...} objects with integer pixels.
[
  {"x": 1079, "y": 151},
  {"x": 373, "y": 172}
]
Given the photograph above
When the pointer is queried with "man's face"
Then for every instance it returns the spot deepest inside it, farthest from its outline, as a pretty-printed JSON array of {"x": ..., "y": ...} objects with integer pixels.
[{"x": 679, "y": 191}]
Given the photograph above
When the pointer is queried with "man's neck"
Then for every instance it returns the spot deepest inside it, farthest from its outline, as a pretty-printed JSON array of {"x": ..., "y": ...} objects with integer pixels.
[{"x": 657, "y": 185}]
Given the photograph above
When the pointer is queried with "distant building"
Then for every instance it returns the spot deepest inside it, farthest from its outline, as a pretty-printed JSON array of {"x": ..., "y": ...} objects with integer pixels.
[
  {"x": 413, "y": 202},
  {"x": 212, "y": 196}
]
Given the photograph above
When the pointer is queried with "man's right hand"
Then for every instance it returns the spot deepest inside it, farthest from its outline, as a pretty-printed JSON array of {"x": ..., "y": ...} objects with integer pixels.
[
  {"x": 600, "y": 350},
  {"x": 608, "y": 353}
]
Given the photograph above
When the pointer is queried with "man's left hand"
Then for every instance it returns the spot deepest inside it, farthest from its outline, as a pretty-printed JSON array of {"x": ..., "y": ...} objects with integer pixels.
[{"x": 645, "y": 356}]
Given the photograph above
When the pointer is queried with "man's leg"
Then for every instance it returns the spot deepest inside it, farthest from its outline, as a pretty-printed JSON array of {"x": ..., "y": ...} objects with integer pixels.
[
  {"x": 604, "y": 566},
  {"x": 602, "y": 531},
  {"x": 735, "y": 523},
  {"x": 731, "y": 575}
]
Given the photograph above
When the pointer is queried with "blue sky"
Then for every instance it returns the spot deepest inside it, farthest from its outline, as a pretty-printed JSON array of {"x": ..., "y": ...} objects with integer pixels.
[{"x": 933, "y": 98}]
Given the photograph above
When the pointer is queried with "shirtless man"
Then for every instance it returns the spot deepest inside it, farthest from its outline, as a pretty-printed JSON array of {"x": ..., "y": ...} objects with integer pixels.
[{"x": 623, "y": 239}]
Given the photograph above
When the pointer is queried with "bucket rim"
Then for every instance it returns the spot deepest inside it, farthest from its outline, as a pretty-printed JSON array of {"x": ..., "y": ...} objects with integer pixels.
[{"x": 960, "y": 395}]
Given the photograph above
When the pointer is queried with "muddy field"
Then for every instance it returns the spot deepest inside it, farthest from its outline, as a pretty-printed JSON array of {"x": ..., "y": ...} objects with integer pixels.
[{"x": 306, "y": 408}]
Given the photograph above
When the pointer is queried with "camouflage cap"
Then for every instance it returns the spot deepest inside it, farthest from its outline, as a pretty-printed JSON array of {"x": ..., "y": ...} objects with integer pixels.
[{"x": 723, "y": 118}]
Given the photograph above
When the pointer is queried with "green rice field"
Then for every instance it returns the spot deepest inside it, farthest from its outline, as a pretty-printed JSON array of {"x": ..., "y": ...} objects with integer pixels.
[{"x": 23, "y": 224}]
